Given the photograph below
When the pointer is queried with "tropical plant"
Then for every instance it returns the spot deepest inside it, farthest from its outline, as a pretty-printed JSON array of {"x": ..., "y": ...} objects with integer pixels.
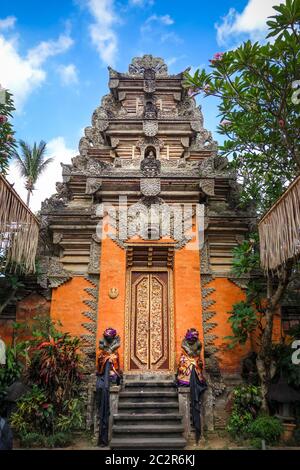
[
  {"x": 258, "y": 90},
  {"x": 246, "y": 403},
  {"x": 55, "y": 363},
  {"x": 32, "y": 163},
  {"x": 259, "y": 106},
  {"x": 7, "y": 142},
  {"x": 243, "y": 321},
  {"x": 268, "y": 428}
]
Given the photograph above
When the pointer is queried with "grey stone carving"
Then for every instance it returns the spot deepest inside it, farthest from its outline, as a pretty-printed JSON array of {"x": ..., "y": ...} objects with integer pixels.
[
  {"x": 150, "y": 186},
  {"x": 140, "y": 64},
  {"x": 150, "y": 128}
]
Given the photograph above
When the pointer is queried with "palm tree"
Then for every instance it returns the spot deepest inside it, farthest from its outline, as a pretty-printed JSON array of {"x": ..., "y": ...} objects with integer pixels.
[{"x": 31, "y": 163}]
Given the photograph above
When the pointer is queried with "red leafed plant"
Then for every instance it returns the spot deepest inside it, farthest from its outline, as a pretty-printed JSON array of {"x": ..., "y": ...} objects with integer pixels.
[{"x": 55, "y": 363}]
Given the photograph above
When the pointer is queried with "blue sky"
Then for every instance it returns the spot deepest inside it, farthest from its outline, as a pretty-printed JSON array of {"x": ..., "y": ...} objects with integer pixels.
[{"x": 54, "y": 57}]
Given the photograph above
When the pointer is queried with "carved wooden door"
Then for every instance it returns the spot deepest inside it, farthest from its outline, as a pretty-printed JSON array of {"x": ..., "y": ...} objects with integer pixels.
[{"x": 149, "y": 322}]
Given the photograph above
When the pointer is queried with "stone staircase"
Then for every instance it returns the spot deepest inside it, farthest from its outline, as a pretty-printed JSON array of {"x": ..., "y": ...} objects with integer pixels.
[{"x": 148, "y": 414}]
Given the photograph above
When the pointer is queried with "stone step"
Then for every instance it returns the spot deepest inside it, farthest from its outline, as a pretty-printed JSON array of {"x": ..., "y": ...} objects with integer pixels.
[
  {"x": 151, "y": 398},
  {"x": 148, "y": 407},
  {"x": 150, "y": 384},
  {"x": 149, "y": 418},
  {"x": 148, "y": 428},
  {"x": 148, "y": 393},
  {"x": 147, "y": 443},
  {"x": 148, "y": 404}
]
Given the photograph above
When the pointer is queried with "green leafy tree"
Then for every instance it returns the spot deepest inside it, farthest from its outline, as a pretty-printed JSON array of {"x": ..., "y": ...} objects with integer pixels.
[
  {"x": 259, "y": 106},
  {"x": 32, "y": 163},
  {"x": 7, "y": 142},
  {"x": 258, "y": 88}
]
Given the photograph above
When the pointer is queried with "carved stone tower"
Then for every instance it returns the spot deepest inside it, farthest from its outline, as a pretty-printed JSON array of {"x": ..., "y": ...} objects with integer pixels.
[{"x": 142, "y": 227}]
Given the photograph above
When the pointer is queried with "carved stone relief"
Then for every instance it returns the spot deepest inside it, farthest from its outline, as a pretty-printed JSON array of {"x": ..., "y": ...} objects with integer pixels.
[{"x": 150, "y": 128}]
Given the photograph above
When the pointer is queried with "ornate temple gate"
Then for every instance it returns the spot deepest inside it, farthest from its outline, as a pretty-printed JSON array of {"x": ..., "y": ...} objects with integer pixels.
[
  {"x": 147, "y": 143},
  {"x": 149, "y": 308},
  {"x": 149, "y": 320}
]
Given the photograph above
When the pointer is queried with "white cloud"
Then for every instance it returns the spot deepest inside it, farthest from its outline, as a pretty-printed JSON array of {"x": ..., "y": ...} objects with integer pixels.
[
  {"x": 68, "y": 74},
  {"x": 251, "y": 21},
  {"x": 102, "y": 31},
  {"x": 141, "y": 3},
  {"x": 163, "y": 19},
  {"x": 45, "y": 186},
  {"x": 158, "y": 21},
  {"x": 8, "y": 22},
  {"x": 22, "y": 74},
  {"x": 39, "y": 54}
]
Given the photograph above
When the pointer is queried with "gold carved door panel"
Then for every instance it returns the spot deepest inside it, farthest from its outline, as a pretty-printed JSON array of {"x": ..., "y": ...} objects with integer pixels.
[{"x": 149, "y": 322}]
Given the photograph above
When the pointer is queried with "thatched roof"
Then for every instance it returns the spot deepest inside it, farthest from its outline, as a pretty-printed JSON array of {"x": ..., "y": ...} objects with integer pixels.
[
  {"x": 279, "y": 229},
  {"x": 19, "y": 228}
]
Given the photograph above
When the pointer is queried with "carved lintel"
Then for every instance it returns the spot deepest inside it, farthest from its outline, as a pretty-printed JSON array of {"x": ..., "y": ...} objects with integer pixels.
[
  {"x": 208, "y": 186},
  {"x": 93, "y": 185}
]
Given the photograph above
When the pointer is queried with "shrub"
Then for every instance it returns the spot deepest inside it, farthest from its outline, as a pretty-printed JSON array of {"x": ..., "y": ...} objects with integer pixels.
[
  {"x": 268, "y": 428},
  {"x": 55, "y": 364},
  {"x": 239, "y": 423},
  {"x": 53, "y": 408},
  {"x": 246, "y": 404},
  {"x": 32, "y": 439},
  {"x": 59, "y": 439}
]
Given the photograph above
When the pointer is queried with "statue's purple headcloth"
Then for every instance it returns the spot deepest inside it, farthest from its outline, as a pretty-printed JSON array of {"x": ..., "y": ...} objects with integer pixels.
[
  {"x": 110, "y": 332},
  {"x": 191, "y": 334}
]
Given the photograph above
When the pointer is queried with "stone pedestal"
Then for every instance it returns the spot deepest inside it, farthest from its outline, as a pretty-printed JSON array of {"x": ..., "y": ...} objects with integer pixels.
[
  {"x": 92, "y": 416},
  {"x": 185, "y": 409},
  {"x": 113, "y": 402}
]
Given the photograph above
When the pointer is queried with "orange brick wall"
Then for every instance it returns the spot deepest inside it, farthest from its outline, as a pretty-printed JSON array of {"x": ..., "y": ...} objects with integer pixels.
[
  {"x": 225, "y": 295},
  {"x": 67, "y": 305},
  {"x": 111, "y": 312},
  {"x": 187, "y": 295},
  {"x": 31, "y": 306}
]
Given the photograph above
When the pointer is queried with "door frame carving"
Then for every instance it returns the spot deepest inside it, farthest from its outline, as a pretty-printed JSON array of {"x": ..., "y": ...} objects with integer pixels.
[{"x": 128, "y": 315}]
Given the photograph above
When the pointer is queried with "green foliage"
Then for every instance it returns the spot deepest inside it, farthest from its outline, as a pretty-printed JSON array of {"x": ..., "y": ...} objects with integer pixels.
[
  {"x": 7, "y": 143},
  {"x": 260, "y": 120},
  {"x": 58, "y": 439},
  {"x": 268, "y": 428},
  {"x": 55, "y": 363},
  {"x": 52, "y": 409},
  {"x": 243, "y": 320},
  {"x": 246, "y": 255},
  {"x": 15, "y": 356},
  {"x": 246, "y": 404},
  {"x": 35, "y": 414},
  {"x": 31, "y": 162}
]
